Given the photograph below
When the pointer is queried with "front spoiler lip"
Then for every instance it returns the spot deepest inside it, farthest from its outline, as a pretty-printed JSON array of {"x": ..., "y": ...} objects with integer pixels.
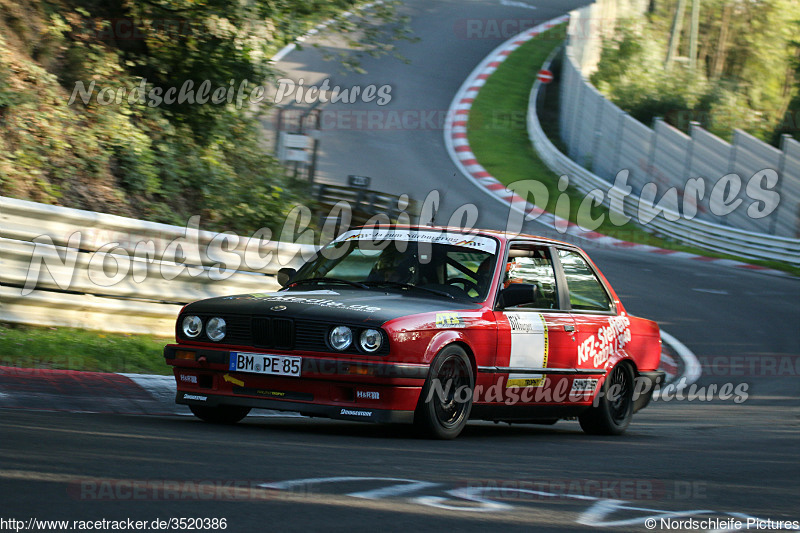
[{"x": 353, "y": 413}]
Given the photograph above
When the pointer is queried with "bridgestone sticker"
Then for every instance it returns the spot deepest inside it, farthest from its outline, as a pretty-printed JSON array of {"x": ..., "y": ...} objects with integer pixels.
[
  {"x": 349, "y": 412},
  {"x": 195, "y": 397}
]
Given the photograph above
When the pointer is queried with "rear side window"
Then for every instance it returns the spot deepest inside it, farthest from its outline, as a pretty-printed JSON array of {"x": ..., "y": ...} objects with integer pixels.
[{"x": 586, "y": 293}]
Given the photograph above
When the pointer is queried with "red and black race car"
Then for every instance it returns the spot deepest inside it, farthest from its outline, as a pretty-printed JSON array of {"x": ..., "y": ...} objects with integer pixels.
[{"x": 433, "y": 326}]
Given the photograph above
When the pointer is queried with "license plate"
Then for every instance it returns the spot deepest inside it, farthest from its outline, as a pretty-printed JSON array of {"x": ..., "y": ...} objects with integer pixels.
[{"x": 260, "y": 363}]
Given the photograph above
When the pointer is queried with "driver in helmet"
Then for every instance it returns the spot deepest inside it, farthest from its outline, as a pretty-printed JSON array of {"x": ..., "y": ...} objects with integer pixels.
[{"x": 394, "y": 266}]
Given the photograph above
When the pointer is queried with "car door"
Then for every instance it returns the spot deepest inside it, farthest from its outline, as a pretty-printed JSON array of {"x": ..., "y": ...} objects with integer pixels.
[
  {"x": 599, "y": 331},
  {"x": 534, "y": 331}
]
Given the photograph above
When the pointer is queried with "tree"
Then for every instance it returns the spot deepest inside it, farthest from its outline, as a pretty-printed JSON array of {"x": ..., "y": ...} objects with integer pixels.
[
  {"x": 164, "y": 162},
  {"x": 745, "y": 53}
]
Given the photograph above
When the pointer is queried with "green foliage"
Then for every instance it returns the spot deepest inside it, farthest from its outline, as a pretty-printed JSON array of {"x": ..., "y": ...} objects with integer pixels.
[
  {"x": 747, "y": 73},
  {"x": 166, "y": 162},
  {"x": 78, "y": 349}
]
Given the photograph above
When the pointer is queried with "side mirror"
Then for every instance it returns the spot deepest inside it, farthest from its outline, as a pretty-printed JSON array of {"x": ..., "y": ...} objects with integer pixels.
[
  {"x": 499, "y": 302},
  {"x": 517, "y": 294},
  {"x": 285, "y": 275}
]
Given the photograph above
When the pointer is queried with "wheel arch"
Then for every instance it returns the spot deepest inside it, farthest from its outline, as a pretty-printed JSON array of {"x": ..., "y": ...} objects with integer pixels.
[
  {"x": 449, "y": 338},
  {"x": 619, "y": 358}
]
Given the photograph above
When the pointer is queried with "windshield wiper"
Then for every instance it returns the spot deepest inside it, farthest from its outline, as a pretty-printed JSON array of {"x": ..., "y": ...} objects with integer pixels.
[
  {"x": 329, "y": 280},
  {"x": 409, "y": 286}
]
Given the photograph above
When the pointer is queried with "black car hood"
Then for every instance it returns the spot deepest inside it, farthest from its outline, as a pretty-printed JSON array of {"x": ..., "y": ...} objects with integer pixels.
[{"x": 358, "y": 306}]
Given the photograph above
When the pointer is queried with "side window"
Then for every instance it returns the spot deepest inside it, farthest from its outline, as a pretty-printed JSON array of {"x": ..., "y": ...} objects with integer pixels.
[
  {"x": 586, "y": 293},
  {"x": 530, "y": 280}
]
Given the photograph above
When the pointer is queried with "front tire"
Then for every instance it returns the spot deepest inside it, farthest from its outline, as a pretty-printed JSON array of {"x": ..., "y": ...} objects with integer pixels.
[
  {"x": 614, "y": 409},
  {"x": 221, "y": 414},
  {"x": 446, "y": 400}
]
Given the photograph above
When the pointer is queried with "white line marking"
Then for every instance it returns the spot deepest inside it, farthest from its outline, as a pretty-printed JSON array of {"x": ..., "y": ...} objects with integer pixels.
[
  {"x": 405, "y": 486},
  {"x": 512, "y": 3},
  {"x": 712, "y": 291},
  {"x": 477, "y": 500},
  {"x": 393, "y": 490},
  {"x": 596, "y": 514}
]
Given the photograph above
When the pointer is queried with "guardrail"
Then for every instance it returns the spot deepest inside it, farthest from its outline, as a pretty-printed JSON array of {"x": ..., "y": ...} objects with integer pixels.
[
  {"x": 363, "y": 205},
  {"x": 68, "y": 267},
  {"x": 700, "y": 233},
  {"x": 697, "y": 232}
]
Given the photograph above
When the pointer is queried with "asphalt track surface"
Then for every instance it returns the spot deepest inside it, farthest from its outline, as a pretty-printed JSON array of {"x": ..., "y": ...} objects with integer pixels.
[{"x": 678, "y": 459}]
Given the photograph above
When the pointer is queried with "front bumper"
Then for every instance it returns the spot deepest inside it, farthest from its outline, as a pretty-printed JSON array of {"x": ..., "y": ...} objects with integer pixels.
[{"x": 367, "y": 391}]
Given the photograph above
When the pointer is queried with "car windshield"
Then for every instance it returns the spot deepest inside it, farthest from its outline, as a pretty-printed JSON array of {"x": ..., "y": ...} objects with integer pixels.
[{"x": 432, "y": 263}]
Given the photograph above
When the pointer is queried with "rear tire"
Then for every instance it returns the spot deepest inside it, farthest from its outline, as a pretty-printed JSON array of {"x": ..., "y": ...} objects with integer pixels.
[
  {"x": 221, "y": 414},
  {"x": 446, "y": 400},
  {"x": 614, "y": 410}
]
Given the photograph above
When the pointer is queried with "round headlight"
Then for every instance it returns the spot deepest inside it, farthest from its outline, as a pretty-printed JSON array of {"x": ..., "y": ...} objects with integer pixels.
[
  {"x": 215, "y": 329},
  {"x": 192, "y": 326},
  {"x": 341, "y": 337},
  {"x": 371, "y": 340}
]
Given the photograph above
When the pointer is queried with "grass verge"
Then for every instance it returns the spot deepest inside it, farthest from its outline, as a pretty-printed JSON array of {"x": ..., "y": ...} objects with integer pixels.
[
  {"x": 78, "y": 349},
  {"x": 498, "y": 136}
]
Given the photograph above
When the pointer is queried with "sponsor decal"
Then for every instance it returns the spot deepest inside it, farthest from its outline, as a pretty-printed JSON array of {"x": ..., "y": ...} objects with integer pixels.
[
  {"x": 525, "y": 382},
  {"x": 449, "y": 320},
  {"x": 368, "y": 395},
  {"x": 187, "y": 378},
  {"x": 267, "y": 295},
  {"x": 195, "y": 397},
  {"x": 530, "y": 347},
  {"x": 584, "y": 385},
  {"x": 276, "y": 394},
  {"x": 475, "y": 242},
  {"x": 273, "y": 393},
  {"x": 322, "y": 302},
  {"x": 522, "y": 324},
  {"x": 350, "y": 412},
  {"x": 598, "y": 347}
]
